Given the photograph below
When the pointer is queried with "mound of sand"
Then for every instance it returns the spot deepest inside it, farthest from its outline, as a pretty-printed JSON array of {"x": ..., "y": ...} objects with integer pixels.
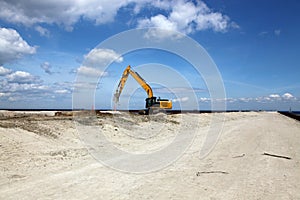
[{"x": 42, "y": 157}]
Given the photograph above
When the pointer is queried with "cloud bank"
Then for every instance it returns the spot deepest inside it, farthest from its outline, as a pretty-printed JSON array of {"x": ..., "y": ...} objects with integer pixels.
[
  {"x": 181, "y": 15},
  {"x": 12, "y": 46}
]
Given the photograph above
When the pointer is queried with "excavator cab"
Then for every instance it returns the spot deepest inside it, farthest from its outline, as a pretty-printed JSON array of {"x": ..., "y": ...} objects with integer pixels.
[
  {"x": 150, "y": 102},
  {"x": 159, "y": 103}
]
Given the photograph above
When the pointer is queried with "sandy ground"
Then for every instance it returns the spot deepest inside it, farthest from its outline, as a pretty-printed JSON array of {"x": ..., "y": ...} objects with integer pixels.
[{"x": 43, "y": 157}]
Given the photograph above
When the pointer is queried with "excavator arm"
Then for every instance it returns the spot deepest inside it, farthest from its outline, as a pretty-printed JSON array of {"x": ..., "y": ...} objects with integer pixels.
[{"x": 137, "y": 77}]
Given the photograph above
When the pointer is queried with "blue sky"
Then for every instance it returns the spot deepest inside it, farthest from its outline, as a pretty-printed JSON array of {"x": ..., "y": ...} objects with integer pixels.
[{"x": 255, "y": 45}]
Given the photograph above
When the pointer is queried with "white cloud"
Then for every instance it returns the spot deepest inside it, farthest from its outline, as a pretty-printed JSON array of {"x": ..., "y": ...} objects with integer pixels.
[
  {"x": 2, "y": 94},
  {"x": 178, "y": 90},
  {"x": 12, "y": 45},
  {"x": 22, "y": 91},
  {"x": 65, "y": 13},
  {"x": 4, "y": 71},
  {"x": 63, "y": 91},
  {"x": 102, "y": 57},
  {"x": 288, "y": 96},
  {"x": 243, "y": 99},
  {"x": 43, "y": 31},
  {"x": 188, "y": 17},
  {"x": 46, "y": 67},
  {"x": 181, "y": 15},
  {"x": 85, "y": 85},
  {"x": 275, "y": 96},
  {"x": 21, "y": 77},
  {"x": 214, "y": 21},
  {"x": 23, "y": 87},
  {"x": 159, "y": 21},
  {"x": 204, "y": 99},
  {"x": 160, "y": 34},
  {"x": 89, "y": 71},
  {"x": 168, "y": 29},
  {"x": 265, "y": 99},
  {"x": 183, "y": 99}
]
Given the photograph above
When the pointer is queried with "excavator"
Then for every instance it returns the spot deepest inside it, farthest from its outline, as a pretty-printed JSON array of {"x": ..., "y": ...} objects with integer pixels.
[{"x": 153, "y": 104}]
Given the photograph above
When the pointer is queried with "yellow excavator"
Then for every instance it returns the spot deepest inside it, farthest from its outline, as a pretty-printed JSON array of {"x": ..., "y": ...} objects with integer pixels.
[{"x": 153, "y": 104}]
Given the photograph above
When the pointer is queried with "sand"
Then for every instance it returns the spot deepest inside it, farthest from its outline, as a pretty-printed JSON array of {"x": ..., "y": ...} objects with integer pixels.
[{"x": 42, "y": 156}]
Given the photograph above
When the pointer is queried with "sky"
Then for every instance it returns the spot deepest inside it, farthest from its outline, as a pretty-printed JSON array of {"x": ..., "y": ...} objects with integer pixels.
[{"x": 254, "y": 44}]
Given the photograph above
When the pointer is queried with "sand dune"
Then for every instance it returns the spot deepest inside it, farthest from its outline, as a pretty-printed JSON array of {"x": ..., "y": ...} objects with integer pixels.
[{"x": 43, "y": 157}]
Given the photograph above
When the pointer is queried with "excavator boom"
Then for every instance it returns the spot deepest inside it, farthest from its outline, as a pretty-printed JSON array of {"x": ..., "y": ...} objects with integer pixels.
[{"x": 137, "y": 77}]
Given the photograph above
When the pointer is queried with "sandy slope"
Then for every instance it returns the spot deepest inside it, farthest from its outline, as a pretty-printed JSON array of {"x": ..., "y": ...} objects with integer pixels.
[{"x": 41, "y": 157}]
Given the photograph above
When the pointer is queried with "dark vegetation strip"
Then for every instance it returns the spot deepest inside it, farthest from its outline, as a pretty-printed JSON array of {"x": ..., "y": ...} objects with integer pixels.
[{"x": 290, "y": 114}]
